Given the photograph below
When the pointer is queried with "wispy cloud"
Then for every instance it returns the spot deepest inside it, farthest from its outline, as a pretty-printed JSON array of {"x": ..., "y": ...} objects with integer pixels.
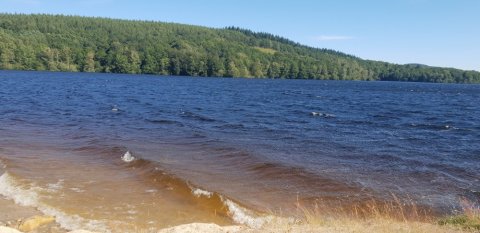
[{"x": 332, "y": 38}]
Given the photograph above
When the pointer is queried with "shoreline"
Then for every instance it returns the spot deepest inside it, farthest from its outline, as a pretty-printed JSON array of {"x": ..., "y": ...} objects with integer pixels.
[
  {"x": 15, "y": 211},
  {"x": 12, "y": 216}
]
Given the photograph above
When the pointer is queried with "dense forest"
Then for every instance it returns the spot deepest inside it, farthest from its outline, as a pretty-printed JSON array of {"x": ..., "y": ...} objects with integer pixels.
[{"x": 70, "y": 43}]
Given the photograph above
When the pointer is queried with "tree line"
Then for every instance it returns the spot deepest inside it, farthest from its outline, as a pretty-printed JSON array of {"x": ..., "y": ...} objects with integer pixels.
[{"x": 71, "y": 43}]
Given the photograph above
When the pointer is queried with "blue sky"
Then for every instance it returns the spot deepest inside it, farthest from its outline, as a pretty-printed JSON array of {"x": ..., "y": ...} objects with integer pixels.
[{"x": 433, "y": 32}]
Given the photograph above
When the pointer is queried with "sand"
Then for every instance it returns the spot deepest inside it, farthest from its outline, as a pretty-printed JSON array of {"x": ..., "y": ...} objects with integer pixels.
[
  {"x": 12, "y": 216},
  {"x": 204, "y": 227}
]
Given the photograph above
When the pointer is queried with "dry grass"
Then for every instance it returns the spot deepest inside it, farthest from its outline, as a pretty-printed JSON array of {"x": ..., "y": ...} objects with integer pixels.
[{"x": 371, "y": 217}]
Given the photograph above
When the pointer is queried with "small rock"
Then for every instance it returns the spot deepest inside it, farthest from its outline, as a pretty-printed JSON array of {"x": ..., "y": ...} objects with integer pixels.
[
  {"x": 8, "y": 230},
  {"x": 35, "y": 222}
]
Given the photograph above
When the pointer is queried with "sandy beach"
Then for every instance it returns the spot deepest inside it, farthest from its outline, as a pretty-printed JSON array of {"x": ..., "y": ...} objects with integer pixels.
[{"x": 13, "y": 218}]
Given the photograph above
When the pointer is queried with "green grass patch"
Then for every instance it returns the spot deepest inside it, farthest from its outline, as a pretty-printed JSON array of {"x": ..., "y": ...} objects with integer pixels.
[{"x": 463, "y": 221}]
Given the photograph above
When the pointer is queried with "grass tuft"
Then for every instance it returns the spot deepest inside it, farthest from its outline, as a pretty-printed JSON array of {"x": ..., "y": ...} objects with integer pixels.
[{"x": 469, "y": 220}]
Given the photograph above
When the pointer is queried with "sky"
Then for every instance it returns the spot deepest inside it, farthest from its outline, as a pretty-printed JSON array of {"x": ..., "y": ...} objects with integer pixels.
[{"x": 433, "y": 32}]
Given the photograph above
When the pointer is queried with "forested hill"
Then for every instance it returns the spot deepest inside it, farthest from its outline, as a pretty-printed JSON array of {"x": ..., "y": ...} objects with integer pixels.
[{"x": 68, "y": 43}]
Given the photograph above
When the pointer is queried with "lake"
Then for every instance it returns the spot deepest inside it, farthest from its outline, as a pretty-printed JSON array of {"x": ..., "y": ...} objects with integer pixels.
[{"x": 145, "y": 152}]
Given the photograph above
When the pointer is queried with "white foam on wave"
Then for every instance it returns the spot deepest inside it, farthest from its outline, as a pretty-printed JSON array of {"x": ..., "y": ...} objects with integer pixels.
[
  {"x": 17, "y": 194},
  {"x": 326, "y": 115},
  {"x": 77, "y": 190},
  {"x": 128, "y": 157},
  {"x": 240, "y": 215},
  {"x": 55, "y": 187},
  {"x": 3, "y": 167},
  {"x": 27, "y": 197},
  {"x": 200, "y": 192}
]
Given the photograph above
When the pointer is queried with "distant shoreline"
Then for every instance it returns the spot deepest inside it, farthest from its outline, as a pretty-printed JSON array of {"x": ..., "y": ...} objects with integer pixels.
[
  {"x": 215, "y": 77},
  {"x": 88, "y": 44}
]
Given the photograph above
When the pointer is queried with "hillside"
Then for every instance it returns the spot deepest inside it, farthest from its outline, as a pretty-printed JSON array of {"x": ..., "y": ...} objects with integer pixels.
[{"x": 70, "y": 43}]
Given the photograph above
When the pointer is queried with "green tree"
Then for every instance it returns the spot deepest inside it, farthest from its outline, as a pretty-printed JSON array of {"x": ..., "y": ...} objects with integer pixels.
[
  {"x": 231, "y": 70},
  {"x": 7, "y": 57},
  {"x": 68, "y": 43},
  {"x": 89, "y": 65}
]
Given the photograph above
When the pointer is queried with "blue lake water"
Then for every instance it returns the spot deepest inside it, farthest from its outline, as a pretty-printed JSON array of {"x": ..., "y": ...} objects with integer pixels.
[{"x": 260, "y": 142}]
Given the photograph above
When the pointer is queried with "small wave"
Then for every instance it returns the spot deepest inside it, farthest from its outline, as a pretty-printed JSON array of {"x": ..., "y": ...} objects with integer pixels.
[
  {"x": 477, "y": 194},
  {"x": 115, "y": 108},
  {"x": 240, "y": 215},
  {"x": 18, "y": 119},
  {"x": 212, "y": 201},
  {"x": 77, "y": 190},
  {"x": 164, "y": 121},
  {"x": 28, "y": 197},
  {"x": 198, "y": 117},
  {"x": 128, "y": 157},
  {"x": 385, "y": 116},
  {"x": 231, "y": 126},
  {"x": 200, "y": 192},
  {"x": 9, "y": 189},
  {"x": 303, "y": 179},
  {"x": 55, "y": 187},
  {"x": 95, "y": 147},
  {"x": 2, "y": 165},
  {"x": 321, "y": 114},
  {"x": 437, "y": 127}
]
